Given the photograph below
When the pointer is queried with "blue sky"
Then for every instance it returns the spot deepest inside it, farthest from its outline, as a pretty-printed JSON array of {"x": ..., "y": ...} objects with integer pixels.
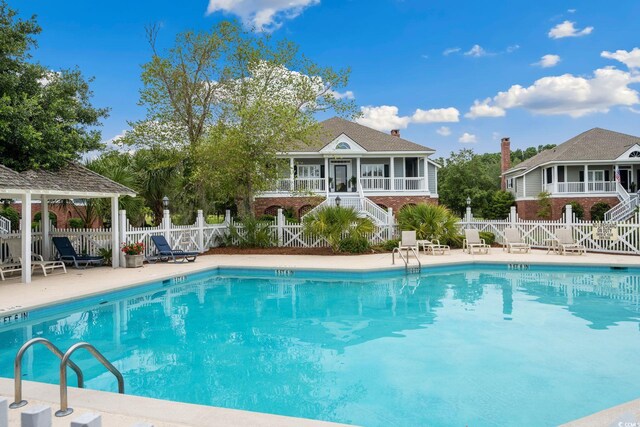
[{"x": 416, "y": 65}]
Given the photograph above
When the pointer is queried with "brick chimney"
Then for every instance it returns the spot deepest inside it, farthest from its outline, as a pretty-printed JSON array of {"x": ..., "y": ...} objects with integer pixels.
[
  {"x": 395, "y": 132},
  {"x": 505, "y": 159}
]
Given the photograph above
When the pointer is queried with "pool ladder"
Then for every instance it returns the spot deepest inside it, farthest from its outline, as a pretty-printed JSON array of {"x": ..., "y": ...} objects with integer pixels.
[
  {"x": 406, "y": 259},
  {"x": 65, "y": 360}
]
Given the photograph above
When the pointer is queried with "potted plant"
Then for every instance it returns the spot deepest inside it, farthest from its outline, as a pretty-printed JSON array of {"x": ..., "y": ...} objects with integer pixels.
[
  {"x": 354, "y": 182},
  {"x": 133, "y": 254}
]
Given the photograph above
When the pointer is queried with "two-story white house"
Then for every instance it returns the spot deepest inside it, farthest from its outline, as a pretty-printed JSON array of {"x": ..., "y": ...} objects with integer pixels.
[
  {"x": 357, "y": 166},
  {"x": 598, "y": 165}
]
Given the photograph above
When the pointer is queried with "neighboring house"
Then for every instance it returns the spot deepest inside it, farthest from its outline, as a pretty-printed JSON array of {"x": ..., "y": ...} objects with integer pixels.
[
  {"x": 598, "y": 165},
  {"x": 367, "y": 169}
]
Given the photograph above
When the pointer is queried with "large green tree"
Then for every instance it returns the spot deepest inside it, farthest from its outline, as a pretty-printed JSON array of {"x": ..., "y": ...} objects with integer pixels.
[{"x": 46, "y": 116}]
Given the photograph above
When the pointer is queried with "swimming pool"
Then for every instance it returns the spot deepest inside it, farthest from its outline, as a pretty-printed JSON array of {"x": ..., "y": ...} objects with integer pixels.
[{"x": 476, "y": 345}]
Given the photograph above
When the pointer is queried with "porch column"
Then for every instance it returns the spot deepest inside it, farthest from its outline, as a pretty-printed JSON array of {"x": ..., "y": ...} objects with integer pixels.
[
  {"x": 586, "y": 178},
  {"x": 291, "y": 175},
  {"x": 392, "y": 172},
  {"x": 326, "y": 175},
  {"x": 45, "y": 227},
  {"x": 25, "y": 231},
  {"x": 115, "y": 233},
  {"x": 426, "y": 174},
  {"x": 555, "y": 179},
  {"x": 358, "y": 174}
]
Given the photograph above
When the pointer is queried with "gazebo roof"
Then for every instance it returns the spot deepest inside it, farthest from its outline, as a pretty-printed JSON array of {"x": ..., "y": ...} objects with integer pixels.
[{"x": 72, "y": 180}]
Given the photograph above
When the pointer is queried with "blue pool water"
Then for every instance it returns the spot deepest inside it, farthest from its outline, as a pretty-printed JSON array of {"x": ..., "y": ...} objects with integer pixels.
[{"x": 478, "y": 345}]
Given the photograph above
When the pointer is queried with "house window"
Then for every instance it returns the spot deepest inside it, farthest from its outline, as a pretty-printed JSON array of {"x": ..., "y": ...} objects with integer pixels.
[
  {"x": 510, "y": 183},
  {"x": 309, "y": 171},
  {"x": 372, "y": 170},
  {"x": 634, "y": 154},
  {"x": 596, "y": 176},
  {"x": 343, "y": 146}
]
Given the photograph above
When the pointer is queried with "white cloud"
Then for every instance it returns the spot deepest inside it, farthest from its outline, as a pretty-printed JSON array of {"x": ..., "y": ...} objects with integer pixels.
[
  {"x": 476, "y": 51},
  {"x": 443, "y": 131},
  {"x": 468, "y": 138},
  {"x": 483, "y": 109},
  {"x": 383, "y": 118},
  {"x": 548, "y": 61},
  {"x": 567, "y": 94},
  {"x": 265, "y": 15},
  {"x": 568, "y": 29},
  {"x": 386, "y": 117},
  {"x": 630, "y": 59},
  {"x": 436, "y": 115},
  {"x": 451, "y": 50}
]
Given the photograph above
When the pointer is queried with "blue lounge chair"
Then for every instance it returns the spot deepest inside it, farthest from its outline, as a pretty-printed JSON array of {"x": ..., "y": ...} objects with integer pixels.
[
  {"x": 165, "y": 253},
  {"x": 68, "y": 255}
]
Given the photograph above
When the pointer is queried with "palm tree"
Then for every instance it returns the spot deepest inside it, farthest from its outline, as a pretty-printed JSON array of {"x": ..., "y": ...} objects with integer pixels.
[
  {"x": 430, "y": 222},
  {"x": 334, "y": 223}
]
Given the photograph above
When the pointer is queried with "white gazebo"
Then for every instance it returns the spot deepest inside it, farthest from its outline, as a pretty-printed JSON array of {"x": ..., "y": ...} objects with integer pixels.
[{"x": 70, "y": 182}]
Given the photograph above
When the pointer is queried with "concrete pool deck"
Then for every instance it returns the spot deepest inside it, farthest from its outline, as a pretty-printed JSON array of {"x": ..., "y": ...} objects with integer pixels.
[{"x": 125, "y": 410}]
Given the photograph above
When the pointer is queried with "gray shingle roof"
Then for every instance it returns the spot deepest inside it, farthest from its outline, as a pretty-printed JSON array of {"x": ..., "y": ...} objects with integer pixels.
[
  {"x": 72, "y": 178},
  {"x": 367, "y": 138},
  {"x": 594, "y": 144}
]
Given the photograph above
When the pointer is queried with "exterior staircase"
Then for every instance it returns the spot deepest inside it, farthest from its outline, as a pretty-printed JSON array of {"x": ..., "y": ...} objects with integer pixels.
[
  {"x": 625, "y": 209},
  {"x": 364, "y": 206}
]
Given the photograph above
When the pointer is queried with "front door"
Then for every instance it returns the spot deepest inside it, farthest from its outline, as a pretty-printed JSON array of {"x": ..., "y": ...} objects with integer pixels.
[{"x": 340, "y": 174}]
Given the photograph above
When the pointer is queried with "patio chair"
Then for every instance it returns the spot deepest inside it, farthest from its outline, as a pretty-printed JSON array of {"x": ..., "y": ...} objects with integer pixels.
[
  {"x": 433, "y": 246},
  {"x": 166, "y": 253},
  {"x": 68, "y": 254},
  {"x": 513, "y": 241},
  {"x": 15, "y": 248},
  {"x": 7, "y": 263},
  {"x": 566, "y": 244},
  {"x": 473, "y": 241}
]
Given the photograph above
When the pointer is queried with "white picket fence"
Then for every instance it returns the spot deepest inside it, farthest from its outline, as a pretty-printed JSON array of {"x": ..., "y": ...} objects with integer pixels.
[
  {"x": 202, "y": 236},
  {"x": 538, "y": 233}
]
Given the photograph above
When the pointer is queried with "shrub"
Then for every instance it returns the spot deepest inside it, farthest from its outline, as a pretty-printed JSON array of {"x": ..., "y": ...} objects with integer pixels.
[
  {"x": 489, "y": 238},
  {"x": 429, "y": 221},
  {"x": 389, "y": 245},
  {"x": 333, "y": 222},
  {"x": 76, "y": 223},
  {"x": 354, "y": 245},
  {"x": 253, "y": 234},
  {"x": 598, "y": 210},
  {"x": 12, "y": 215},
  {"x": 576, "y": 208},
  {"x": 544, "y": 205}
]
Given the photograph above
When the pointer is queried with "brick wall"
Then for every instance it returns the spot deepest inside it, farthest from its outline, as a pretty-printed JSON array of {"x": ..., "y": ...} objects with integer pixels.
[
  {"x": 301, "y": 205},
  {"x": 527, "y": 209}
]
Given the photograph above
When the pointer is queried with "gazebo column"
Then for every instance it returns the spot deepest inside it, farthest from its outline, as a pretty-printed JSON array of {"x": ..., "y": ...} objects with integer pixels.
[
  {"x": 45, "y": 227},
  {"x": 25, "y": 231},
  {"x": 115, "y": 234}
]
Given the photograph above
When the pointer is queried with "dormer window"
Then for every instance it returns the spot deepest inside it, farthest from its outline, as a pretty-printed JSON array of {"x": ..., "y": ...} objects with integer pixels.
[
  {"x": 343, "y": 146},
  {"x": 634, "y": 154}
]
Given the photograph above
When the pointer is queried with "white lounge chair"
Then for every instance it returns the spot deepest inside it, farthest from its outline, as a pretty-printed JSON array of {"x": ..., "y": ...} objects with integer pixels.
[
  {"x": 513, "y": 241},
  {"x": 37, "y": 261},
  {"x": 473, "y": 241},
  {"x": 8, "y": 265},
  {"x": 433, "y": 247},
  {"x": 566, "y": 244}
]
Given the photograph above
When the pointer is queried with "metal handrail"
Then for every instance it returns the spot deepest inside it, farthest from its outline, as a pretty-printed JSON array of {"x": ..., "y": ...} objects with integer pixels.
[
  {"x": 64, "y": 407},
  {"x": 17, "y": 369}
]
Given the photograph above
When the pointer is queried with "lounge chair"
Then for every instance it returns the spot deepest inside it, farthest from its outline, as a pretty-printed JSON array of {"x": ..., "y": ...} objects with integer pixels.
[
  {"x": 166, "y": 253},
  {"x": 15, "y": 249},
  {"x": 513, "y": 241},
  {"x": 566, "y": 244},
  {"x": 473, "y": 241},
  {"x": 68, "y": 255},
  {"x": 433, "y": 247},
  {"x": 8, "y": 264}
]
